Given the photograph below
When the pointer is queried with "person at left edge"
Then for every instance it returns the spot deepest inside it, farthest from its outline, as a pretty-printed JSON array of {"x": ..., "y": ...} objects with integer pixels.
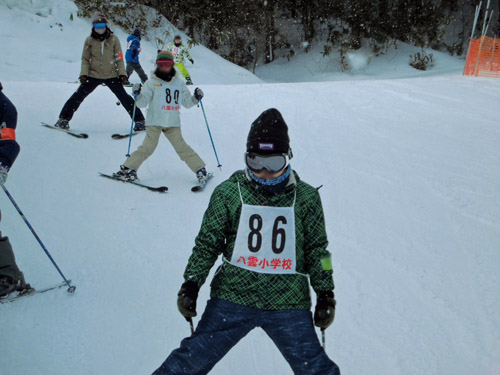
[
  {"x": 11, "y": 277},
  {"x": 102, "y": 63},
  {"x": 9, "y": 148}
]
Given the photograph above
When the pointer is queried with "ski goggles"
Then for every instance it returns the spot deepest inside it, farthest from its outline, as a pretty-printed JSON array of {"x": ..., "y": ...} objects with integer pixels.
[
  {"x": 100, "y": 25},
  {"x": 164, "y": 63},
  {"x": 272, "y": 163}
]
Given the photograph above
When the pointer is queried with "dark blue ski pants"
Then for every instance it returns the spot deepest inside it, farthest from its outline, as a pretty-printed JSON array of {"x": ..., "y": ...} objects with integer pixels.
[{"x": 223, "y": 324}]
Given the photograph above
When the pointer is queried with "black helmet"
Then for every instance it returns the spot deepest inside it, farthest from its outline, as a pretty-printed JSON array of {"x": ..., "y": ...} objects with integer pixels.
[
  {"x": 177, "y": 37},
  {"x": 137, "y": 32}
]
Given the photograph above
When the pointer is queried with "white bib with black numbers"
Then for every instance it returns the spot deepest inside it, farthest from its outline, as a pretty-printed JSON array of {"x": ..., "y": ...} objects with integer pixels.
[
  {"x": 265, "y": 241},
  {"x": 172, "y": 97}
]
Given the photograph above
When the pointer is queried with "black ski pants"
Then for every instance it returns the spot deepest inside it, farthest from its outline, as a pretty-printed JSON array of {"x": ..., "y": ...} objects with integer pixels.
[
  {"x": 131, "y": 66},
  {"x": 85, "y": 89}
]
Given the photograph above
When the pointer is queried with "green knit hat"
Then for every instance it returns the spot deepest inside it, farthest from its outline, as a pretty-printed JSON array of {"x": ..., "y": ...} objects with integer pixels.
[{"x": 164, "y": 56}]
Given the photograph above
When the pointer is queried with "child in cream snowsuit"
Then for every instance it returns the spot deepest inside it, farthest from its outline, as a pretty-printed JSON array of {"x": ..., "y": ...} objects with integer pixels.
[{"x": 164, "y": 94}]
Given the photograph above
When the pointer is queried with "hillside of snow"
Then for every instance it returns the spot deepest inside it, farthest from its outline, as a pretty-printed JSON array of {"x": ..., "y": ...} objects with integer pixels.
[
  {"x": 409, "y": 169},
  {"x": 40, "y": 42},
  {"x": 361, "y": 64}
]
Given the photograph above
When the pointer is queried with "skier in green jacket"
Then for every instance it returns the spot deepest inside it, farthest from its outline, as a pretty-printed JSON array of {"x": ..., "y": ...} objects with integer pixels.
[
  {"x": 180, "y": 52},
  {"x": 269, "y": 227}
]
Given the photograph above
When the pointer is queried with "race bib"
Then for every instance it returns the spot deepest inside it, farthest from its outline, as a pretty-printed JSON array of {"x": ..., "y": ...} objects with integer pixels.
[
  {"x": 175, "y": 51},
  {"x": 171, "y": 98},
  {"x": 265, "y": 242}
]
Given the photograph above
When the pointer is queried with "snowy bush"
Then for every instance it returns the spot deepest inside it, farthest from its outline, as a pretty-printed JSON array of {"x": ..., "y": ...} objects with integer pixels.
[{"x": 421, "y": 61}]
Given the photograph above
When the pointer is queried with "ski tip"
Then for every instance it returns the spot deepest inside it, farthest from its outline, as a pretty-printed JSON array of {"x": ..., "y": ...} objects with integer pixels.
[
  {"x": 160, "y": 189},
  {"x": 122, "y": 136},
  {"x": 84, "y": 135}
]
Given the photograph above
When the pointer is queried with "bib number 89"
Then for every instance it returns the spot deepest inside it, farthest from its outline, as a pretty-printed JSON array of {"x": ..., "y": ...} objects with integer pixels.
[
  {"x": 255, "y": 236},
  {"x": 168, "y": 97}
]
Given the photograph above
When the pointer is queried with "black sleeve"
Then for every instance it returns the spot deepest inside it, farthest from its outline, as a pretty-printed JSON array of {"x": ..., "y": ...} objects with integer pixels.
[{"x": 8, "y": 113}]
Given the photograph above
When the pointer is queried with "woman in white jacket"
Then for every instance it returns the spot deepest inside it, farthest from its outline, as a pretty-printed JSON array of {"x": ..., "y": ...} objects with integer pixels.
[{"x": 163, "y": 94}]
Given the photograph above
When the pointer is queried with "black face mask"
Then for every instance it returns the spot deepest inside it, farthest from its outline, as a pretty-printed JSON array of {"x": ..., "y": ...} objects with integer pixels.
[
  {"x": 165, "y": 76},
  {"x": 100, "y": 37},
  {"x": 178, "y": 44}
]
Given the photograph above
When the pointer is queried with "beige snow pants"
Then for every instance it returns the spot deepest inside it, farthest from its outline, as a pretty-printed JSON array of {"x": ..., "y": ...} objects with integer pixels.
[{"x": 174, "y": 135}]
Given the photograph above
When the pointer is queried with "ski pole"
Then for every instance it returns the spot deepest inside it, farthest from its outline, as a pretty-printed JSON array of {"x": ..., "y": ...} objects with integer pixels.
[
  {"x": 210, "y": 134},
  {"x": 323, "y": 338},
  {"x": 132, "y": 125},
  {"x": 71, "y": 288},
  {"x": 191, "y": 324}
]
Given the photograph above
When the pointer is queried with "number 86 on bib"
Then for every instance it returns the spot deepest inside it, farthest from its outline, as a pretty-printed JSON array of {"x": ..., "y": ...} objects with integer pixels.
[{"x": 265, "y": 242}]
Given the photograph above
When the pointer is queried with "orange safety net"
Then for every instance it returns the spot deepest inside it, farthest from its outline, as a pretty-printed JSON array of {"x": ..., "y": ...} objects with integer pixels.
[{"x": 483, "y": 58}]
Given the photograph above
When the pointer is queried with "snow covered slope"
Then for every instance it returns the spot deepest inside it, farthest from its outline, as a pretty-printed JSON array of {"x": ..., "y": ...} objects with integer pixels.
[
  {"x": 410, "y": 175},
  {"x": 313, "y": 67},
  {"x": 40, "y": 42},
  {"x": 412, "y": 207}
]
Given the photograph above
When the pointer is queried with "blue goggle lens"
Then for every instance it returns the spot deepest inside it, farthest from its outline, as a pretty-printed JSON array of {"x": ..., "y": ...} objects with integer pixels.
[{"x": 100, "y": 25}]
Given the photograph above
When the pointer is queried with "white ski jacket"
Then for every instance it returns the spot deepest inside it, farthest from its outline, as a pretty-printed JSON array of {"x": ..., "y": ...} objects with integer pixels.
[{"x": 164, "y": 100}]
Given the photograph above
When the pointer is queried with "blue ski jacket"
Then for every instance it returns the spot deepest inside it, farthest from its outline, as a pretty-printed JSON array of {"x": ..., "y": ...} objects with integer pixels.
[{"x": 133, "y": 49}]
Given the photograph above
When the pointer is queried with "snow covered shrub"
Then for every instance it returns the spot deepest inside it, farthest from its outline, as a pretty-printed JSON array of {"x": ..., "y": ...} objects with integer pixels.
[{"x": 421, "y": 61}]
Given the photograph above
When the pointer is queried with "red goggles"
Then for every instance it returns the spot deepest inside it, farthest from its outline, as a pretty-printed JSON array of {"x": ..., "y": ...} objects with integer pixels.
[{"x": 164, "y": 63}]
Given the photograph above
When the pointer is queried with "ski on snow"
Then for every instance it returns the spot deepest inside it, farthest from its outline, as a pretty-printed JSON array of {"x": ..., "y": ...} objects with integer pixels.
[
  {"x": 72, "y": 133},
  {"x": 159, "y": 189},
  {"x": 201, "y": 186},
  {"x": 31, "y": 292},
  {"x": 121, "y": 136}
]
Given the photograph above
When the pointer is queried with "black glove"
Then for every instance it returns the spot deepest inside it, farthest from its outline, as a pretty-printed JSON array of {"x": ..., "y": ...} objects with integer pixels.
[
  {"x": 83, "y": 79},
  {"x": 134, "y": 53},
  {"x": 198, "y": 94},
  {"x": 192, "y": 61},
  {"x": 186, "y": 300},
  {"x": 123, "y": 79},
  {"x": 325, "y": 309}
]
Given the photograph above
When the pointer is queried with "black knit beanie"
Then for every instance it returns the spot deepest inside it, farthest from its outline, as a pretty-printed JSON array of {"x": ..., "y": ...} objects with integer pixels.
[{"x": 269, "y": 134}]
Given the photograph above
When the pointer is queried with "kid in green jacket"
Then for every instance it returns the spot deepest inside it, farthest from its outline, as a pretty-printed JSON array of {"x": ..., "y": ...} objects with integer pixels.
[{"x": 269, "y": 227}]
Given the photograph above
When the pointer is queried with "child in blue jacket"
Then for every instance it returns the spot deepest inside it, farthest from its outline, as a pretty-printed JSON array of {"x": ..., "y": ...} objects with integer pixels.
[{"x": 132, "y": 55}]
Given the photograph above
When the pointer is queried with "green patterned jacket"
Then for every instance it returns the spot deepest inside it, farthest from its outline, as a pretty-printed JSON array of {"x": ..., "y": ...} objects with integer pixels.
[{"x": 263, "y": 291}]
